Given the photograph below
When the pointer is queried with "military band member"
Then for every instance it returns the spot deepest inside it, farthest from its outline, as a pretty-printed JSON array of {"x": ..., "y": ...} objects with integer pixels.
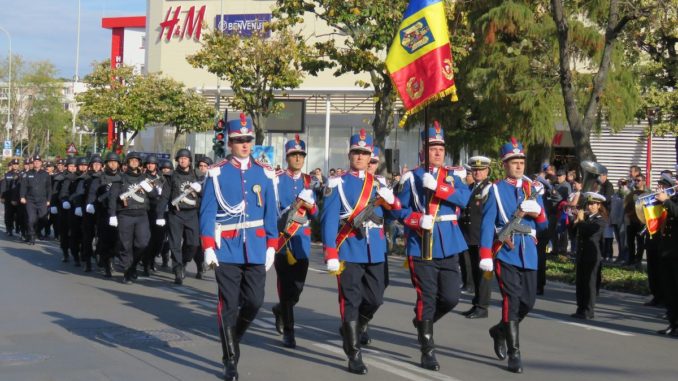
[
  {"x": 668, "y": 252},
  {"x": 436, "y": 280},
  {"x": 238, "y": 231},
  {"x": 354, "y": 244},
  {"x": 36, "y": 188},
  {"x": 295, "y": 199},
  {"x": 516, "y": 261},
  {"x": 479, "y": 168}
]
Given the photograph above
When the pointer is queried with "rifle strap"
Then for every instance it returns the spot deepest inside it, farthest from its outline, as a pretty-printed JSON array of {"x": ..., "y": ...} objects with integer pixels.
[{"x": 362, "y": 202}]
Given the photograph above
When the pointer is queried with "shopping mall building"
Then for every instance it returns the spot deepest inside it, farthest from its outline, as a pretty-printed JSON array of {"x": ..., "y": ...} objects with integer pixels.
[{"x": 334, "y": 107}]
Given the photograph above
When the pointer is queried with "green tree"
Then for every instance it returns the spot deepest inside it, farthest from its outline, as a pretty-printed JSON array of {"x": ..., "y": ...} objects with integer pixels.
[{"x": 255, "y": 67}]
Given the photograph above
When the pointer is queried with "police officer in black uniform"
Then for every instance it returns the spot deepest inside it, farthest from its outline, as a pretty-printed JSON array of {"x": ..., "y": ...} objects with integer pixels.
[
  {"x": 88, "y": 211},
  {"x": 77, "y": 200},
  {"x": 202, "y": 165},
  {"x": 130, "y": 200},
  {"x": 156, "y": 215},
  {"x": 184, "y": 205},
  {"x": 35, "y": 191},
  {"x": 21, "y": 215},
  {"x": 470, "y": 225},
  {"x": 7, "y": 193},
  {"x": 668, "y": 251},
  {"x": 57, "y": 180},
  {"x": 64, "y": 205},
  {"x": 98, "y": 204},
  {"x": 167, "y": 169}
]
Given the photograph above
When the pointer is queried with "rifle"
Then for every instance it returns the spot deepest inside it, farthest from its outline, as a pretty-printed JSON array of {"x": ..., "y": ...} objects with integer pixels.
[
  {"x": 135, "y": 188},
  {"x": 188, "y": 191},
  {"x": 290, "y": 222},
  {"x": 367, "y": 215}
]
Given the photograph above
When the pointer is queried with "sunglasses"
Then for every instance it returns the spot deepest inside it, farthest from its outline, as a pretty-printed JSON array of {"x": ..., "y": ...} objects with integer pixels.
[{"x": 637, "y": 181}]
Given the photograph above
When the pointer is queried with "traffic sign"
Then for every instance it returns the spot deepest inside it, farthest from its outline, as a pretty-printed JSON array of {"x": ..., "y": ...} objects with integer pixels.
[
  {"x": 8, "y": 144},
  {"x": 6, "y": 153},
  {"x": 71, "y": 150}
]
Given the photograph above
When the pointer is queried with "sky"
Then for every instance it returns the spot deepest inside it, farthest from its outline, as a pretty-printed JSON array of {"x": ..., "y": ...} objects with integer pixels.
[{"x": 46, "y": 30}]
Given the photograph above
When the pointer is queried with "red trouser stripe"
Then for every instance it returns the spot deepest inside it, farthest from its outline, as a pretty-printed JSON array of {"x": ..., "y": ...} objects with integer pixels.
[
  {"x": 504, "y": 295},
  {"x": 220, "y": 307},
  {"x": 415, "y": 282},
  {"x": 341, "y": 298}
]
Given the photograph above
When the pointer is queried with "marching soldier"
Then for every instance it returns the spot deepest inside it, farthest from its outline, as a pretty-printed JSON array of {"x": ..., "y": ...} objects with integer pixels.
[
  {"x": 65, "y": 190},
  {"x": 202, "y": 166},
  {"x": 436, "y": 278},
  {"x": 57, "y": 180},
  {"x": 21, "y": 214},
  {"x": 156, "y": 215},
  {"x": 128, "y": 204},
  {"x": 516, "y": 260},
  {"x": 36, "y": 188},
  {"x": 183, "y": 197},
  {"x": 98, "y": 204},
  {"x": 354, "y": 244},
  {"x": 295, "y": 205},
  {"x": 239, "y": 234},
  {"x": 167, "y": 169},
  {"x": 668, "y": 252},
  {"x": 89, "y": 216},
  {"x": 470, "y": 226},
  {"x": 76, "y": 197},
  {"x": 7, "y": 192}
]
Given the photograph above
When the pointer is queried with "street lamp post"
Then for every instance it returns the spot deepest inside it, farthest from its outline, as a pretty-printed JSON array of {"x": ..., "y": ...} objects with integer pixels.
[
  {"x": 8, "y": 126},
  {"x": 652, "y": 114},
  {"x": 75, "y": 77}
]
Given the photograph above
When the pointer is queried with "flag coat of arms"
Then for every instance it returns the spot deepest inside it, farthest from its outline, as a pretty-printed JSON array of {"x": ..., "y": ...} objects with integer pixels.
[
  {"x": 420, "y": 60},
  {"x": 655, "y": 215}
]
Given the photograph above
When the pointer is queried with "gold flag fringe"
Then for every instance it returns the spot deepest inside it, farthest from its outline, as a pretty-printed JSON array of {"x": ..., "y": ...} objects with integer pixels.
[{"x": 451, "y": 91}]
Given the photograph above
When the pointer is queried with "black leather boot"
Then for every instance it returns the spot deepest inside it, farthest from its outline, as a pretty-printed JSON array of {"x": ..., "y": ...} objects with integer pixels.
[
  {"x": 288, "y": 326},
  {"x": 515, "y": 365},
  {"x": 229, "y": 345},
  {"x": 350, "y": 336},
  {"x": 178, "y": 274},
  {"x": 425, "y": 336},
  {"x": 108, "y": 268},
  {"x": 365, "y": 338},
  {"x": 499, "y": 338},
  {"x": 241, "y": 326},
  {"x": 65, "y": 259},
  {"x": 278, "y": 318},
  {"x": 668, "y": 330},
  {"x": 88, "y": 266}
]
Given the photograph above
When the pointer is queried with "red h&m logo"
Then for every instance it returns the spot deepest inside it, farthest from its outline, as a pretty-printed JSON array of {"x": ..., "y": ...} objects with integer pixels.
[
  {"x": 191, "y": 27},
  {"x": 557, "y": 139}
]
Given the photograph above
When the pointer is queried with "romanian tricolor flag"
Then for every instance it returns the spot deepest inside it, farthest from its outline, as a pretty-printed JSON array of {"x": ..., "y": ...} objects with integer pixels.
[
  {"x": 420, "y": 60},
  {"x": 655, "y": 215}
]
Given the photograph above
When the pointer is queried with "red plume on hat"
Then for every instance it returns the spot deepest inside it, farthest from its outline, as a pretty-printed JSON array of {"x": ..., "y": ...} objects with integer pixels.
[
  {"x": 297, "y": 139},
  {"x": 363, "y": 134},
  {"x": 514, "y": 141},
  {"x": 243, "y": 119},
  {"x": 436, "y": 126}
]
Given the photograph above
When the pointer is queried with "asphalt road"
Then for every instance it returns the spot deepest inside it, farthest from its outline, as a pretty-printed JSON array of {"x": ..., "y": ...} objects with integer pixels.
[{"x": 58, "y": 323}]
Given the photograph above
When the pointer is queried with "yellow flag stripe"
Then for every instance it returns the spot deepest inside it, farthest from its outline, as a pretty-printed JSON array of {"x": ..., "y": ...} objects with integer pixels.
[{"x": 398, "y": 57}]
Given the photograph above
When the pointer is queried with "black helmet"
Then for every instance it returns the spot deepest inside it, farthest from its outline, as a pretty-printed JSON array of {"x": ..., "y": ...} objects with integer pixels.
[
  {"x": 183, "y": 153},
  {"x": 133, "y": 155},
  {"x": 151, "y": 159},
  {"x": 205, "y": 159},
  {"x": 164, "y": 163},
  {"x": 83, "y": 161},
  {"x": 95, "y": 159},
  {"x": 112, "y": 156},
  {"x": 71, "y": 161}
]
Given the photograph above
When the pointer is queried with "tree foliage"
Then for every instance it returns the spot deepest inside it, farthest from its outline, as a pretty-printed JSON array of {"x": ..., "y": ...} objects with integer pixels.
[
  {"x": 135, "y": 101},
  {"x": 255, "y": 66}
]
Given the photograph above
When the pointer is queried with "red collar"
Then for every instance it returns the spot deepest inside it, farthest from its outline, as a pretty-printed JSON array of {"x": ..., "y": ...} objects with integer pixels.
[
  {"x": 291, "y": 174},
  {"x": 357, "y": 173},
  {"x": 236, "y": 163}
]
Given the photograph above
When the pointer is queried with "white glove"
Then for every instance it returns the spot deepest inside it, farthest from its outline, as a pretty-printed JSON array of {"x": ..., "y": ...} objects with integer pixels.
[
  {"x": 386, "y": 194},
  {"x": 486, "y": 265},
  {"x": 78, "y": 211},
  {"x": 89, "y": 208},
  {"x": 307, "y": 196},
  {"x": 53, "y": 210},
  {"x": 426, "y": 222},
  {"x": 196, "y": 187},
  {"x": 146, "y": 186},
  {"x": 530, "y": 206},
  {"x": 160, "y": 222},
  {"x": 429, "y": 181},
  {"x": 66, "y": 205},
  {"x": 333, "y": 265},
  {"x": 211, "y": 258},
  {"x": 270, "y": 256},
  {"x": 113, "y": 221}
]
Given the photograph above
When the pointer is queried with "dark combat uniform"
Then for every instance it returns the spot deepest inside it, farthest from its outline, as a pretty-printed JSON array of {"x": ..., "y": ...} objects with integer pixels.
[
  {"x": 8, "y": 194},
  {"x": 36, "y": 188}
]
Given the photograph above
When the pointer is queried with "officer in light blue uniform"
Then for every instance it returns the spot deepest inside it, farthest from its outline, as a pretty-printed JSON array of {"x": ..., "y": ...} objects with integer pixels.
[
  {"x": 356, "y": 250},
  {"x": 295, "y": 197},
  {"x": 516, "y": 262},
  {"x": 437, "y": 280},
  {"x": 238, "y": 233}
]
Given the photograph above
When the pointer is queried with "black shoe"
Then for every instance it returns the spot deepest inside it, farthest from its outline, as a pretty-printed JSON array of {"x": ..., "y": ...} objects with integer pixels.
[
  {"x": 479, "y": 313},
  {"x": 425, "y": 337},
  {"x": 278, "y": 318},
  {"x": 198, "y": 275},
  {"x": 229, "y": 346},
  {"x": 153, "y": 267},
  {"x": 65, "y": 260},
  {"x": 499, "y": 338},
  {"x": 88, "y": 267},
  {"x": 351, "y": 341},
  {"x": 178, "y": 274},
  {"x": 76, "y": 263},
  {"x": 469, "y": 311},
  {"x": 670, "y": 330},
  {"x": 582, "y": 316},
  {"x": 126, "y": 280},
  {"x": 288, "y": 339},
  {"x": 515, "y": 363}
]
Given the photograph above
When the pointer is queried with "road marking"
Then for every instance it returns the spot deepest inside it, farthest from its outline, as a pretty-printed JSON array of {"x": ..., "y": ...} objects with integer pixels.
[
  {"x": 317, "y": 270},
  {"x": 375, "y": 359},
  {"x": 585, "y": 326}
]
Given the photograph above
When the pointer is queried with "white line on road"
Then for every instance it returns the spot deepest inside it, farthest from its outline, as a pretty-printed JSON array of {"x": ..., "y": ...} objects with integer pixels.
[
  {"x": 373, "y": 358},
  {"x": 585, "y": 326},
  {"x": 317, "y": 270}
]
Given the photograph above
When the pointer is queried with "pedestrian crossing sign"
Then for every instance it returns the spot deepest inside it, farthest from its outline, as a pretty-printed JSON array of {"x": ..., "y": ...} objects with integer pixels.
[{"x": 71, "y": 150}]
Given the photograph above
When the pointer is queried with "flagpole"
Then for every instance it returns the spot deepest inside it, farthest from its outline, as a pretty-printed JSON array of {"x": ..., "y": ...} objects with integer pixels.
[{"x": 427, "y": 237}]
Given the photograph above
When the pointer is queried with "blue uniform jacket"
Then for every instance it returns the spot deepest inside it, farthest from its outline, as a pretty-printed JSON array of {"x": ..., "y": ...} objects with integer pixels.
[
  {"x": 524, "y": 253},
  {"x": 355, "y": 248},
  {"x": 288, "y": 190},
  {"x": 234, "y": 185},
  {"x": 448, "y": 239}
]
